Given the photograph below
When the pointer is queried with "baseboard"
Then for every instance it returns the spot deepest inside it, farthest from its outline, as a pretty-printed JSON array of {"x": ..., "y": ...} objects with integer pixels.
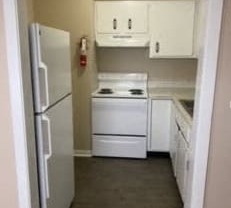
[{"x": 82, "y": 153}]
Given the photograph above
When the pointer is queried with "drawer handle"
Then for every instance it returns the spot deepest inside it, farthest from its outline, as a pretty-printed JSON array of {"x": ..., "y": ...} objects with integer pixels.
[{"x": 157, "y": 47}]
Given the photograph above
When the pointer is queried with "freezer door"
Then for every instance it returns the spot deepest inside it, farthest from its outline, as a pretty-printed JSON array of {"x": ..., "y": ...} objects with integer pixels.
[
  {"x": 55, "y": 153},
  {"x": 51, "y": 68}
]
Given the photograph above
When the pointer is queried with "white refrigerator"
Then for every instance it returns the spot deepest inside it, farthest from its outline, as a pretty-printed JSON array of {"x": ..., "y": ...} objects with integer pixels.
[{"x": 51, "y": 78}]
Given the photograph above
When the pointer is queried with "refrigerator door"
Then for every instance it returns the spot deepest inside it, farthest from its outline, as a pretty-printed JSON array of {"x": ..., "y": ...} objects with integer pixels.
[
  {"x": 55, "y": 153},
  {"x": 51, "y": 69}
]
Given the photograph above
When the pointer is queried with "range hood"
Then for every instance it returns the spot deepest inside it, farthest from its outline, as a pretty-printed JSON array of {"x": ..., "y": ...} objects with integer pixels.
[{"x": 120, "y": 40}]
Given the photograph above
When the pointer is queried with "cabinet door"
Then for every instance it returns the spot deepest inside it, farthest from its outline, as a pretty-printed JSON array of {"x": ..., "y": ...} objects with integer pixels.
[
  {"x": 181, "y": 165},
  {"x": 171, "y": 26},
  {"x": 108, "y": 17},
  {"x": 160, "y": 125},
  {"x": 173, "y": 137},
  {"x": 135, "y": 17},
  {"x": 121, "y": 17}
]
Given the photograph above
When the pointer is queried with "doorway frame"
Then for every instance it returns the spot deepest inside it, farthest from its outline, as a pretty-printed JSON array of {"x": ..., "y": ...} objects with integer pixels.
[
  {"x": 203, "y": 105},
  {"x": 14, "y": 63},
  {"x": 204, "y": 99}
]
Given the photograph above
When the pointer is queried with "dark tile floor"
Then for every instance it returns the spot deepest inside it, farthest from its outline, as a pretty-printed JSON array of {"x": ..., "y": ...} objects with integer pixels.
[{"x": 125, "y": 183}]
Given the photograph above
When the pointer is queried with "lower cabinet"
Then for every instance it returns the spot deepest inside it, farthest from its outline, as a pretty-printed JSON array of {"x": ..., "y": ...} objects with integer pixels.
[
  {"x": 179, "y": 150},
  {"x": 173, "y": 137},
  {"x": 159, "y": 125},
  {"x": 168, "y": 132},
  {"x": 182, "y": 165}
]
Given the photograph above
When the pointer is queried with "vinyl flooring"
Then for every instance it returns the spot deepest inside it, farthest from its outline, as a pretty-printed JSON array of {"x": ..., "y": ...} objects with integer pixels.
[{"x": 125, "y": 183}]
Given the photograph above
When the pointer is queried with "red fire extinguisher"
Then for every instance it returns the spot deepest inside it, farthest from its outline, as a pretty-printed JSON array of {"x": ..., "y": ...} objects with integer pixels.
[{"x": 83, "y": 52}]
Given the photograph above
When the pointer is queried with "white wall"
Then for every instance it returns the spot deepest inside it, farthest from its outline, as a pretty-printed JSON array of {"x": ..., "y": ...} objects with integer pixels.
[
  {"x": 210, "y": 17},
  {"x": 218, "y": 186}
]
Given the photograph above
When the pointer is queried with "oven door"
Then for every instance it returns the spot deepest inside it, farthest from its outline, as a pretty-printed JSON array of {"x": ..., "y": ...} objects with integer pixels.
[{"x": 119, "y": 116}]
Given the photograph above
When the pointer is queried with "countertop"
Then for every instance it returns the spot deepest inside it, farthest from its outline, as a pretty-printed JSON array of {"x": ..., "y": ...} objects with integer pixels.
[{"x": 174, "y": 94}]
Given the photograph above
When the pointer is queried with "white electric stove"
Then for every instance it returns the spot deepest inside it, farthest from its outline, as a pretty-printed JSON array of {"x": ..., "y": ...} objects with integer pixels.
[{"x": 119, "y": 115}]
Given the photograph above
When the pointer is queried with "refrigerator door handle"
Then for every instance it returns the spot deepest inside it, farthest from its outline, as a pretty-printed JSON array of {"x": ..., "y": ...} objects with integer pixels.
[
  {"x": 47, "y": 153},
  {"x": 43, "y": 66}
]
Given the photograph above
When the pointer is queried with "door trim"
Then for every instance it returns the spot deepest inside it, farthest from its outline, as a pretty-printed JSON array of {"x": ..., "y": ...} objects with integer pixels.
[
  {"x": 17, "y": 103},
  {"x": 205, "y": 90}
]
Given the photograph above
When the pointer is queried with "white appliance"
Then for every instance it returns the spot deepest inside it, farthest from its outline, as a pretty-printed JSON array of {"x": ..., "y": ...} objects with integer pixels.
[
  {"x": 51, "y": 76},
  {"x": 119, "y": 116}
]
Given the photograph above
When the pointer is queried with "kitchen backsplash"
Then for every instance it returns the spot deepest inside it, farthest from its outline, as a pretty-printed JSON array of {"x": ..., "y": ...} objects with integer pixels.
[{"x": 136, "y": 60}]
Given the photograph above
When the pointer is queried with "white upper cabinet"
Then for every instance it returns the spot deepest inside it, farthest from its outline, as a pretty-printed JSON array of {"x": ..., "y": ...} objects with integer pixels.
[
  {"x": 121, "y": 23},
  {"x": 135, "y": 17},
  {"x": 171, "y": 29},
  {"x": 108, "y": 19},
  {"x": 121, "y": 17}
]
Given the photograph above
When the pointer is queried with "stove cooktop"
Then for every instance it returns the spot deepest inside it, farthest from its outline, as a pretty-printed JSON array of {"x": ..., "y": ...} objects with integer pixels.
[
  {"x": 125, "y": 93},
  {"x": 122, "y": 85}
]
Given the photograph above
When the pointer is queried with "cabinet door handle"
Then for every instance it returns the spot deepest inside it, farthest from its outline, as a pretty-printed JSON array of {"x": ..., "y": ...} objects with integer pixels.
[
  {"x": 114, "y": 24},
  {"x": 187, "y": 165},
  {"x": 129, "y": 24},
  {"x": 157, "y": 47}
]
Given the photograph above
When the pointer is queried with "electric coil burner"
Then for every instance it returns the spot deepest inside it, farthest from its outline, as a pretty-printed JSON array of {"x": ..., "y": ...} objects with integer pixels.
[
  {"x": 105, "y": 91},
  {"x": 136, "y": 91},
  {"x": 119, "y": 115}
]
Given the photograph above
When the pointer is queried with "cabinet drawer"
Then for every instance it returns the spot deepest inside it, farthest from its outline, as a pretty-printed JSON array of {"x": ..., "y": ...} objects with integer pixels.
[{"x": 119, "y": 146}]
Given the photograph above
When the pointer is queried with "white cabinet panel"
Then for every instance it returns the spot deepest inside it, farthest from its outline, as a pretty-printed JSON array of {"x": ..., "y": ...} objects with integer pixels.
[
  {"x": 181, "y": 160},
  {"x": 121, "y": 23},
  {"x": 171, "y": 28},
  {"x": 173, "y": 137},
  {"x": 121, "y": 17},
  {"x": 108, "y": 17},
  {"x": 160, "y": 125},
  {"x": 181, "y": 165},
  {"x": 136, "y": 18}
]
